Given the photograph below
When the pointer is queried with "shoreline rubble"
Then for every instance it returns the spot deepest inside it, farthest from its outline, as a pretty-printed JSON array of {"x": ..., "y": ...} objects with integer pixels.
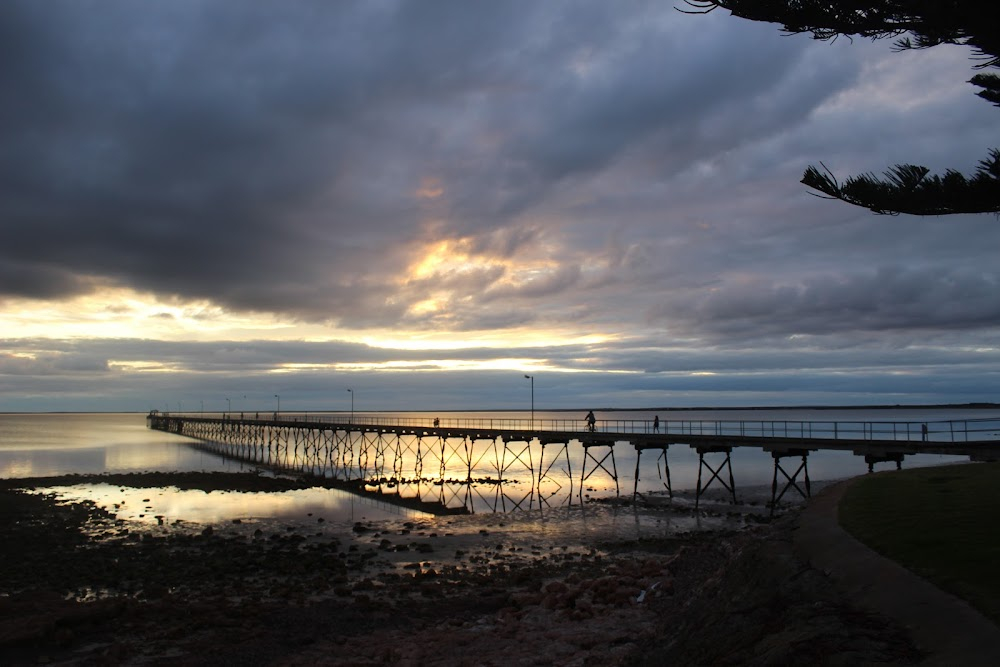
[{"x": 86, "y": 589}]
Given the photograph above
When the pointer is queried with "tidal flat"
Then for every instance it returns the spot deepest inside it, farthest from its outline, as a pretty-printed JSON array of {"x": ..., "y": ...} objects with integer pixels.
[{"x": 575, "y": 586}]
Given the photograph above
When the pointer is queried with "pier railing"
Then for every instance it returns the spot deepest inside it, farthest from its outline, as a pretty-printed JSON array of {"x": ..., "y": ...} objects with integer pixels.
[
  {"x": 385, "y": 451},
  {"x": 941, "y": 431}
]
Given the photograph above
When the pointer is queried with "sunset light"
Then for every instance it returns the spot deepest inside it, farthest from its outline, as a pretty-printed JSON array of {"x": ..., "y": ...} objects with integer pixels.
[
  {"x": 445, "y": 333},
  {"x": 412, "y": 208}
]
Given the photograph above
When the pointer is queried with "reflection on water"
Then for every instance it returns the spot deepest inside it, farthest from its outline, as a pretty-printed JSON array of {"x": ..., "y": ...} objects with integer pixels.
[
  {"x": 59, "y": 444},
  {"x": 33, "y": 445},
  {"x": 168, "y": 505},
  {"x": 320, "y": 514},
  {"x": 485, "y": 476}
]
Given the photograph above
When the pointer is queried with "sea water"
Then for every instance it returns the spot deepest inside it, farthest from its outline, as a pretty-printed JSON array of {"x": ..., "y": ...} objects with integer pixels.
[
  {"x": 40, "y": 445},
  {"x": 48, "y": 445}
]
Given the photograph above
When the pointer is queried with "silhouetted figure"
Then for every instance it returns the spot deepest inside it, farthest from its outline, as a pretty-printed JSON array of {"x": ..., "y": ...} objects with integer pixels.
[
  {"x": 437, "y": 422},
  {"x": 923, "y": 432},
  {"x": 591, "y": 421},
  {"x": 656, "y": 424}
]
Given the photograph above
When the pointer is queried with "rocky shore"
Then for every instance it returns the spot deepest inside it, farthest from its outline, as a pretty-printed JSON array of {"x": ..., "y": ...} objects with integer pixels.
[{"x": 79, "y": 586}]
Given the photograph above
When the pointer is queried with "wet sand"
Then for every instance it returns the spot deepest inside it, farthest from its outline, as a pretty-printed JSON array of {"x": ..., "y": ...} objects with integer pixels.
[{"x": 602, "y": 584}]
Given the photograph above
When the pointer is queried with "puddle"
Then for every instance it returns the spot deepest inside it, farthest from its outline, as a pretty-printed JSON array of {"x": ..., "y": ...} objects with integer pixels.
[{"x": 166, "y": 505}]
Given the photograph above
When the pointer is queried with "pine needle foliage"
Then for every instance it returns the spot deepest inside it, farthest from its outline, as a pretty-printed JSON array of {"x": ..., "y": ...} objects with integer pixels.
[{"x": 915, "y": 24}]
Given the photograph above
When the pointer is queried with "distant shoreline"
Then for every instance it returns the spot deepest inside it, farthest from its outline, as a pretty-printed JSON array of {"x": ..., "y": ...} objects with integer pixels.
[{"x": 700, "y": 408}]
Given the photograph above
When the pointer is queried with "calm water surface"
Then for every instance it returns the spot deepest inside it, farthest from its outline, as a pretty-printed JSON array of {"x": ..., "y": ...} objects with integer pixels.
[
  {"x": 42, "y": 445},
  {"x": 33, "y": 445}
]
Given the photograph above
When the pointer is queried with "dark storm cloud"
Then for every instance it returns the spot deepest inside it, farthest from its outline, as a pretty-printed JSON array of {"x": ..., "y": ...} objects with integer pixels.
[
  {"x": 610, "y": 169},
  {"x": 53, "y": 364},
  {"x": 678, "y": 91},
  {"x": 266, "y": 158},
  {"x": 891, "y": 298},
  {"x": 187, "y": 148},
  {"x": 40, "y": 280}
]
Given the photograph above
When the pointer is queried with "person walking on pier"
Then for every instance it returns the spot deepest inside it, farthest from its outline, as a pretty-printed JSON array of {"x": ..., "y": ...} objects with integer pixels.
[
  {"x": 591, "y": 421},
  {"x": 656, "y": 423}
]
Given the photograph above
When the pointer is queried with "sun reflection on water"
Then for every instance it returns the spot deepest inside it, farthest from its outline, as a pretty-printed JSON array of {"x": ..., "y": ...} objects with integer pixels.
[{"x": 170, "y": 504}]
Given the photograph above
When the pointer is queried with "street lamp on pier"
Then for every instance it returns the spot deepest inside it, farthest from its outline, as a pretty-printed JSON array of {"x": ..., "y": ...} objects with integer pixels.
[
  {"x": 532, "y": 378},
  {"x": 279, "y": 403},
  {"x": 229, "y": 405},
  {"x": 351, "y": 391}
]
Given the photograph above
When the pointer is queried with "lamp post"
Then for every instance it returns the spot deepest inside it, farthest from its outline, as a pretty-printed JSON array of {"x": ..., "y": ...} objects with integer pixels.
[
  {"x": 279, "y": 403},
  {"x": 532, "y": 378},
  {"x": 351, "y": 391},
  {"x": 229, "y": 405}
]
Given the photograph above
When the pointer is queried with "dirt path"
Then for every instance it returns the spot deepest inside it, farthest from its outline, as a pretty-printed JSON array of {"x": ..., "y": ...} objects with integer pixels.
[{"x": 943, "y": 626}]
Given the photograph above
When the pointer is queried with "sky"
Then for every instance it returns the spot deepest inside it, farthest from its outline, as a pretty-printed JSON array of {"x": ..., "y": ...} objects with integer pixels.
[{"x": 212, "y": 205}]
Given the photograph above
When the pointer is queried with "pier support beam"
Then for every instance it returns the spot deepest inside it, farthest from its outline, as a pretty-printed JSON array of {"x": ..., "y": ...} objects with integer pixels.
[
  {"x": 665, "y": 471},
  {"x": 520, "y": 451},
  {"x": 872, "y": 459},
  {"x": 475, "y": 461},
  {"x": 790, "y": 480},
  {"x": 725, "y": 463},
  {"x": 450, "y": 451},
  {"x": 599, "y": 464},
  {"x": 659, "y": 470},
  {"x": 543, "y": 471}
]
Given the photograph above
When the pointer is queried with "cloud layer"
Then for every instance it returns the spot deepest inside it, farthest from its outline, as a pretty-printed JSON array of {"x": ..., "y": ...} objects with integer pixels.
[{"x": 449, "y": 171}]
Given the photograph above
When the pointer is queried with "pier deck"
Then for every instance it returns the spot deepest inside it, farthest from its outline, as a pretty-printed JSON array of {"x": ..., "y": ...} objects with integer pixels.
[{"x": 379, "y": 451}]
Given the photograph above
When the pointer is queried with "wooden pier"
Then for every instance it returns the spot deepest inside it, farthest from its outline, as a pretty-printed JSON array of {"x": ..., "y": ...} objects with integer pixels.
[{"x": 383, "y": 453}]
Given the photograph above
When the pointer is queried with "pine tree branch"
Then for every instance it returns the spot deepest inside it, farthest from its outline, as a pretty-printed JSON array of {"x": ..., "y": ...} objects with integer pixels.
[
  {"x": 918, "y": 24},
  {"x": 907, "y": 188},
  {"x": 990, "y": 84}
]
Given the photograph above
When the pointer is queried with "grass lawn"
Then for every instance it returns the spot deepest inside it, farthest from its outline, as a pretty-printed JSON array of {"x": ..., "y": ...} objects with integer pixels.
[{"x": 942, "y": 523}]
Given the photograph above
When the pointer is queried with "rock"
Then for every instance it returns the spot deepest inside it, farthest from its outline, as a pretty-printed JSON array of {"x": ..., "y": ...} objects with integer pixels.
[{"x": 557, "y": 587}]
